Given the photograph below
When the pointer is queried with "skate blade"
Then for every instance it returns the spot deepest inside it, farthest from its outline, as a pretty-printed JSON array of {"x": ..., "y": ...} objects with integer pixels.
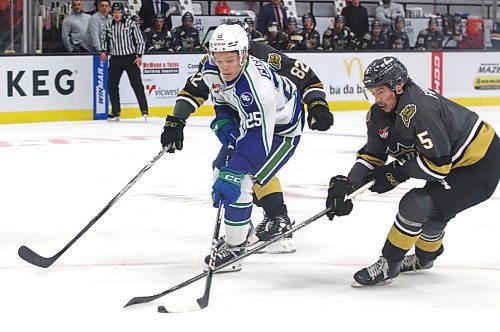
[
  {"x": 236, "y": 267},
  {"x": 283, "y": 246},
  {"x": 356, "y": 284}
]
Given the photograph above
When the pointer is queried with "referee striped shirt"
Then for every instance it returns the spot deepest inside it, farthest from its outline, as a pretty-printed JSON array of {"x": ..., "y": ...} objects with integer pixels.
[{"x": 122, "y": 38}]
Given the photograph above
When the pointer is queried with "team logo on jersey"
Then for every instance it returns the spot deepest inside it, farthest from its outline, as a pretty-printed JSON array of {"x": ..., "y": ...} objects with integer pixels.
[
  {"x": 246, "y": 99},
  {"x": 384, "y": 133},
  {"x": 274, "y": 59},
  {"x": 407, "y": 113},
  {"x": 216, "y": 87}
]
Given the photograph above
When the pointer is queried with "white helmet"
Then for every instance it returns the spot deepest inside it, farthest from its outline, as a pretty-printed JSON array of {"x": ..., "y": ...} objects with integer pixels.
[{"x": 229, "y": 37}]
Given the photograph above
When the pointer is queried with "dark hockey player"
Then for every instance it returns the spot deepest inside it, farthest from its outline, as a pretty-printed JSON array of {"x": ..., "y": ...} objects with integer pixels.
[
  {"x": 340, "y": 38},
  {"x": 158, "y": 38},
  {"x": 398, "y": 39},
  {"x": 431, "y": 138},
  {"x": 186, "y": 37},
  {"x": 253, "y": 33},
  {"x": 294, "y": 35},
  {"x": 311, "y": 37},
  {"x": 276, "y": 38},
  {"x": 319, "y": 117},
  {"x": 430, "y": 39},
  {"x": 376, "y": 39}
]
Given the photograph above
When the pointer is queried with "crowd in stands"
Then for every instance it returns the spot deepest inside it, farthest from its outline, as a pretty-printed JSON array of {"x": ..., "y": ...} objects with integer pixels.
[{"x": 352, "y": 29}]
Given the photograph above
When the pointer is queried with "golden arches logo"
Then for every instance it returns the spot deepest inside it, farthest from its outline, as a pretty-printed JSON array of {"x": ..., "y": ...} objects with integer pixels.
[{"x": 349, "y": 64}]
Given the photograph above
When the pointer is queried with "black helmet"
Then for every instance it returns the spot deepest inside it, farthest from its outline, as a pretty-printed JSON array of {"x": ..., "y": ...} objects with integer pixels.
[
  {"x": 249, "y": 21},
  {"x": 388, "y": 71},
  {"x": 308, "y": 15},
  {"x": 399, "y": 18},
  {"x": 339, "y": 18},
  {"x": 376, "y": 23},
  {"x": 159, "y": 16},
  {"x": 291, "y": 20},
  {"x": 117, "y": 6},
  {"x": 187, "y": 17},
  {"x": 433, "y": 20}
]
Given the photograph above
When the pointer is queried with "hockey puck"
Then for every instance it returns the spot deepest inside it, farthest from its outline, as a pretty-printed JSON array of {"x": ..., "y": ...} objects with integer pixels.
[{"x": 162, "y": 309}]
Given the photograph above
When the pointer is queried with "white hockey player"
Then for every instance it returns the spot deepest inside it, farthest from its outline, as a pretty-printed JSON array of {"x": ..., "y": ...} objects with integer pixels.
[{"x": 257, "y": 111}]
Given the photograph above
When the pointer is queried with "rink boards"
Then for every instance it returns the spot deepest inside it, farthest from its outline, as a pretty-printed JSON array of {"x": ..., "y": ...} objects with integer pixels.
[{"x": 64, "y": 88}]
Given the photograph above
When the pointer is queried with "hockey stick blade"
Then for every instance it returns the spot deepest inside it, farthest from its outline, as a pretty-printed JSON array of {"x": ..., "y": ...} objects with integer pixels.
[
  {"x": 33, "y": 258},
  {"x": 147, "y": 299},
  {"x": 182, "y": 307}
]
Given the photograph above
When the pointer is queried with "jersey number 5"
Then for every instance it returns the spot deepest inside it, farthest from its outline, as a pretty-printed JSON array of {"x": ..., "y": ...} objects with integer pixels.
[
  {"x": 254, "y": 120},
  {"x": 425, "y": 140}
]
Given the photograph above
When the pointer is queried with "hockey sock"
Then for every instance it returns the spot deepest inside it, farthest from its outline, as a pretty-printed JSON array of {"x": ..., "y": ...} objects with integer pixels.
[
  {"x": 237, "y": 222},
  {"x": 428, "y": 248},
  {"x": 402, "y": 236},
  {"x": 270, "y": 197}
]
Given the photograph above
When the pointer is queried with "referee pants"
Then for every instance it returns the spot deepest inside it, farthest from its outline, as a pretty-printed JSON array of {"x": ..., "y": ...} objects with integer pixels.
[{"x": 118, "y": 64}]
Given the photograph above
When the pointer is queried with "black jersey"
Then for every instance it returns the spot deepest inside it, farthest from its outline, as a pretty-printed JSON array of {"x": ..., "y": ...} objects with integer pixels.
[
  {"x": 339, "y": 40},
  {"x": 427, "y": 133},
  {"x": 311, "y": 39},
  {"x": 195, "y": 92},
  {"x": 186, "y": 40},
  {"x": 398, "y": 40},
  {"x": 427, "y": 40},
  {"x": 279, "y": 42},
  {"x": 371, "y": 42},
  {"x": 159, "y": 41}
]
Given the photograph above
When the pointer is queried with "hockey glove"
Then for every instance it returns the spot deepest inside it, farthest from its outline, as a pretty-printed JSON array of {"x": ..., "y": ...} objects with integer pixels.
[
  {"x": 319, "y": 116},
  {"x": 386, "y": 177},
  {"x": 338, "y": 189},
  {"x": 227, "y": 186},
  {"x": 173, "y": 134},
  {"x": 226, "y": 131}
]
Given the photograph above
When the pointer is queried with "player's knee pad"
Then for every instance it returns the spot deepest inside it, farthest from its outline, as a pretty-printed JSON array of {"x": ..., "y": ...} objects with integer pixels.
[{"x": 417, "y": 206}]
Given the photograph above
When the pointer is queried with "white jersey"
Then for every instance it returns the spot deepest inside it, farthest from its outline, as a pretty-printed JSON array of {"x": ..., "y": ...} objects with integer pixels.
[{"x": 262, "y": 102}]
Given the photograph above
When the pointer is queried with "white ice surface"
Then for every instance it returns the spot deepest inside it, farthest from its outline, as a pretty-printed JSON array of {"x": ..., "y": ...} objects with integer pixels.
[{"x": 57, "y": 176}]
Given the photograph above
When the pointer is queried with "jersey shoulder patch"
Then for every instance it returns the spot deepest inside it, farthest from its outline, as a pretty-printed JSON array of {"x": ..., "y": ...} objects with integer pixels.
[
  {"x": 407, "y": 114},
  {"x": 274, "y": 59}
]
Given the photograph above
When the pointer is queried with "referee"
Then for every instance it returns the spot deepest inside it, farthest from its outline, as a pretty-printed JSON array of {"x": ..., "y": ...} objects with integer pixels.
[{"x": 123, "y": 40}]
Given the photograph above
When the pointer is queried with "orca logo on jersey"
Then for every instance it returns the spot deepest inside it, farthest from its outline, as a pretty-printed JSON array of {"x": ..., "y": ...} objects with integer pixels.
[
  {"x": 246, "y": 99},
  {"x": 274, "y": 59},
  {"x": 216, "y": 87},
  {"x": 384, "y": 133},
  {"x": 407, "y": 113}
]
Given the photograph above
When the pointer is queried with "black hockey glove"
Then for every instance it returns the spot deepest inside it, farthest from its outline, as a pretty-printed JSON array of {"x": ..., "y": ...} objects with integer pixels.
[
  {"x": 338, "y": 189},
  {"x": 319, "y": 116},
  {"x": 173, "y": 134},
  {"x": 386, "y": 177}
]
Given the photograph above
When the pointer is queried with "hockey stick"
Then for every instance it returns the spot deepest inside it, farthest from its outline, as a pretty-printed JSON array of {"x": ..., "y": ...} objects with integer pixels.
[
  {"x": 33, "y": 258},
  {"x": 170, "y": 11},
  {"x": 147, "y": 299},
  {"x": 202, "y": 302}
]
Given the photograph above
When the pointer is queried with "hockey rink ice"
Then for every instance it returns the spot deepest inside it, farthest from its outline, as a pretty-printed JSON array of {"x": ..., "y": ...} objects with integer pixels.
[{"x": 57, "y": 176}]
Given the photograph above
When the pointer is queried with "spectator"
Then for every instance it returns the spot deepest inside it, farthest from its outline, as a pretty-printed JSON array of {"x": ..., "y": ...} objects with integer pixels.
[
  {"x": 430, "y": 39},
  {"x": 158, "y": 38},
  {"x": 74, "y": 29},
  {"x": 398, "y": 39},
  {"x": 376, "y": 39},
  {"x": 253, "y": 33},
  {"x": 271, "y": 12},
  {"x": 387, "y": 12},
  {"x": 340, "y": 37},
  {"x": 275, "y": 37},
  {"x": 495, "y": 36},
  {"x": 150, "y": 8},
  {"x": 356, "y": 18},
  {"x": 312, "y": 39},
  {"x": 125, "y": 43},
  {"x": 186, "y": 37},
  {"x": 97, "y": 23},
  {"x": 294, "y": 35}
]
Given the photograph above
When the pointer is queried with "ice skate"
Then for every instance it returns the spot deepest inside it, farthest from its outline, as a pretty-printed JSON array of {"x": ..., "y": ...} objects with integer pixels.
[{"x": 380, "y": 273}]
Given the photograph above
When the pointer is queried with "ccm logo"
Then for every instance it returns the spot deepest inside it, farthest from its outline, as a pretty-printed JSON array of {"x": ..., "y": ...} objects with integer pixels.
[
  {"x": 231, "y": 178},
  {"x": 437, "y": 72}
]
